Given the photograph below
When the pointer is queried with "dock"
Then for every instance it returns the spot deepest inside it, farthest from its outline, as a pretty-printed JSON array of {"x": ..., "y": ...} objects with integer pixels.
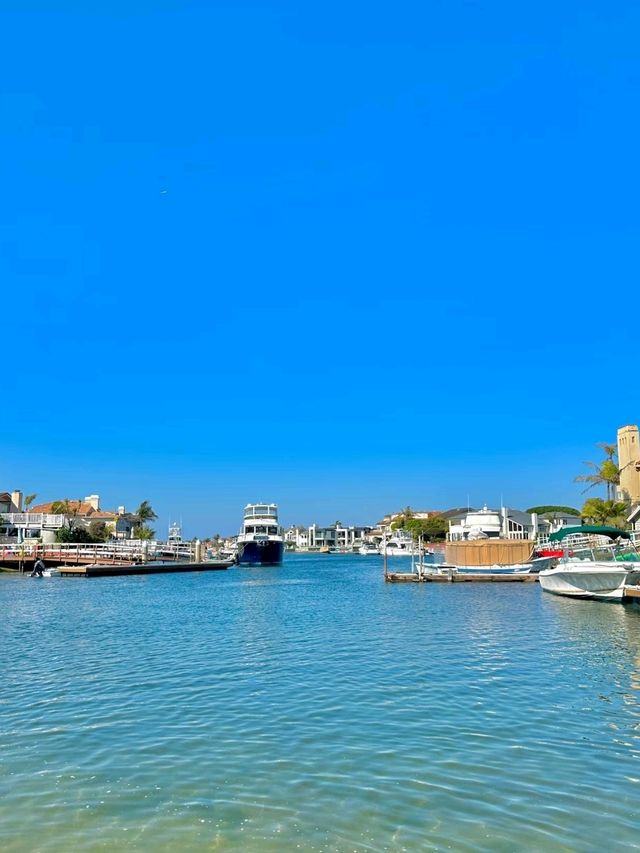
[
  {"x": 107, "y": 570},
  {"x": 456, "y": 577},
  {"x": 631, "y": 593}
]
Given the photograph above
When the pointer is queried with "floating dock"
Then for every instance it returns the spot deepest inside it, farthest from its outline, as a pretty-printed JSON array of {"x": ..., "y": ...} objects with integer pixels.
[
  {"x": 105, "y": 570},
  {"x": 631, "y": 593},
  {"x": 458, "y": 577}
]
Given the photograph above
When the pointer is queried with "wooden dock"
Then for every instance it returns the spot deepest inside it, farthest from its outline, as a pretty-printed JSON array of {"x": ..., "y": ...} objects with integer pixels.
[
  {"x": 106, "y": 570},
  {"x": 631, "y": 593},
  {"x": 456, "y": 577}
]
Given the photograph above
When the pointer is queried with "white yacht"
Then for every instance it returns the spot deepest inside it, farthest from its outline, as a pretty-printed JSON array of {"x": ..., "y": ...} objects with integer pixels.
[
  {"x": 369, "y": 549},
  {"x": 401, "y": 544},
  {"x": 591, "y": 569},
  {"x": 260, "y": 542}
]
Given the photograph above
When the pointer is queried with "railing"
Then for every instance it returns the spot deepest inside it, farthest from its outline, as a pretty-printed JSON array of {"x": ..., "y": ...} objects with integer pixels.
[{"x": 37, "y": 519}]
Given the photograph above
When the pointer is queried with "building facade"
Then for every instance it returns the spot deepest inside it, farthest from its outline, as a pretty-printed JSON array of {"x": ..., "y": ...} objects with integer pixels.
[{"x": 629, "y": 463}]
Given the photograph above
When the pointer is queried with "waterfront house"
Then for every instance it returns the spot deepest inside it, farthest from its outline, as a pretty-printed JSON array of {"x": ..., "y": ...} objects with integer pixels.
[
  {"x": 41, "y": 522},
  {"x": 336, "y": 536}
]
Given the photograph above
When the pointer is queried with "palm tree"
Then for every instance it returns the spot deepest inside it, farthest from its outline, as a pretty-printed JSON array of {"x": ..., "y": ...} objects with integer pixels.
[
  {"x": 29, "y": 499},
  {"x": 604, "y": 474},
  {"x": 605, "y": 512},
  {"x": 145, "y": 513}
]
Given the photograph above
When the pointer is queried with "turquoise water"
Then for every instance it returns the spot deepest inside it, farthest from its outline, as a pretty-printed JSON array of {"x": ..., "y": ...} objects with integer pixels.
[{"x": 313, "y": 707}]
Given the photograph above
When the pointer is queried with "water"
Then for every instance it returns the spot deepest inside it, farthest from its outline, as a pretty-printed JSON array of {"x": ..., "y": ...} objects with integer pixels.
[{"x": 313, "y": 707}]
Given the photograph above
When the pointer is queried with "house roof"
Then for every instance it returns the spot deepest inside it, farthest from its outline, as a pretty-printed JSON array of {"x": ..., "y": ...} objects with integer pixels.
[{"x": 81, "y": 508}]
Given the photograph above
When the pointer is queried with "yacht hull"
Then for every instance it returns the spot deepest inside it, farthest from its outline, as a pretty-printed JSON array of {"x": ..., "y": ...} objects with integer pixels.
[
  {"x": 261, "y": 553},
  {"x": 597, "y": 581}
]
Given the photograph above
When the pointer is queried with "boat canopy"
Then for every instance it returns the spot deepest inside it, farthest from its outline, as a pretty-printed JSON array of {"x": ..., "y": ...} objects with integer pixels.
[{"x": 594, "y": 530}]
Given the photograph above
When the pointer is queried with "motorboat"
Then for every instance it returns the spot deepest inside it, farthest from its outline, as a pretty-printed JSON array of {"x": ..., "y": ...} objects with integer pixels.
[
  {"x": 369, "y": 549},
  {"x": 401, "y": 544},
  {"x": 260, "y": 542},
  {"x": 597, "y": 563},
  {"x": 515, "y": 569}
]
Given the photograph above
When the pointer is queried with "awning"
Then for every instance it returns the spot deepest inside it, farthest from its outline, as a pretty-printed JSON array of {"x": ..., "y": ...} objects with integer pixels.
[{"x": 594, "y": 530}]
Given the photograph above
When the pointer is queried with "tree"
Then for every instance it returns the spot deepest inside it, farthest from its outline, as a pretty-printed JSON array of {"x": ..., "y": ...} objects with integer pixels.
[
  {"x": 605, "y": 473},
  {"x": 554, "y": 510},
  {"x": 29, "y": 499},
  {"x": 141, "y": 531},
  {"x": 401, "y": 520},
  {"x": 71, "y": 534},
  {"x": 98, "y": 531},
  {"x": 608, "y": 512},
  {"x": 145, "y": 513},
  {"x": 70, "y": 510}
]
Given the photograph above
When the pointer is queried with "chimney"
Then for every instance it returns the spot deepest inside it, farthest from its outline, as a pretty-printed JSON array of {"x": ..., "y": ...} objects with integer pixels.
[
  {"x": 94, "y": 501},
  {"x": 16, "y": 500}
]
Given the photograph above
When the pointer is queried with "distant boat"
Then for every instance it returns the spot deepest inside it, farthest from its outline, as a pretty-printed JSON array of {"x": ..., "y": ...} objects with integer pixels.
[
  {"x": 260, "y": 542},
  {"x": 369, "y": 549}
]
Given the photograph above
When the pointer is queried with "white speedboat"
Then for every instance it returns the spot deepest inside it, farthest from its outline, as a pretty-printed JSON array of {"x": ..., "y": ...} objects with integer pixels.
[
  {"x": 369, "y": 549},
  {"x": 592, "y": 569}
]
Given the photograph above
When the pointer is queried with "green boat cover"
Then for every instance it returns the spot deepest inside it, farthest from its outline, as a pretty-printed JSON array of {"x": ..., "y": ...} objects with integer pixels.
[{"x": 611, "y": 532}]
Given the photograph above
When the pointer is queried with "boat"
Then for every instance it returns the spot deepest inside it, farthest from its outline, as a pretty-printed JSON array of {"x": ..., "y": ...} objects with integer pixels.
[
  {"x": 261, "y": 542},
  {"x": 369, "y": 549},
  {"x": 496, "y": 569},
  {"x": 591, "y": 567},
  {"x": 399, "y": 545}
]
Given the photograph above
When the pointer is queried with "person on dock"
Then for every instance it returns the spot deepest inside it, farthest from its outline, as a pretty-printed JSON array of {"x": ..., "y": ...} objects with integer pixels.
[{"x": 38, "y": 568}]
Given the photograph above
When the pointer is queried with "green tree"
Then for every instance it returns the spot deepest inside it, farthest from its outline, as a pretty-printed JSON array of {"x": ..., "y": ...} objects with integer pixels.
[
  {"x": 143, "y": 514},
  {"x": 98, "y": 531},
  {"x": 29, "y": 499},
  {"x": 69, "y": 509},
  {"x": 604, "y": 473},
  {"x": 402, "y": 519},
  {"x": 73, "y": 534},
  {"x": 608, "y": 512},
  {"x": 554, "y": 510},
  {"x": 141, "y": 531}
]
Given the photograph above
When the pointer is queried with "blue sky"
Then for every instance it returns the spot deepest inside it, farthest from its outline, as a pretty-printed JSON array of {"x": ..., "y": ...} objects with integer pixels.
[{"x": 343, "y": 257}]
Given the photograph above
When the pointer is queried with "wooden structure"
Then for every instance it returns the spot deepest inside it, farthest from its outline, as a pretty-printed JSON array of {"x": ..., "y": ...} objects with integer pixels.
[
  {"x": 489, "y": 552},
  {"x": 455, "y": 577}
]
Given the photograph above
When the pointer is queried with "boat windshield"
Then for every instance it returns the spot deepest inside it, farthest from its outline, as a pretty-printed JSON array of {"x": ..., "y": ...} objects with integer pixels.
[{"x": 625, "y": 552}]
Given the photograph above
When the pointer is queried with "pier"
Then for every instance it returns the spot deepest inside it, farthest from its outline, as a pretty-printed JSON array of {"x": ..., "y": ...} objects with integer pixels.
[
  {"x": 105, "y": 570},
  {"x": 456, "y": 577}
]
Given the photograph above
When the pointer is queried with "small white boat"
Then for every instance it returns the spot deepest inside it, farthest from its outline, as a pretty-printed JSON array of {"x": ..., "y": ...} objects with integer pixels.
[
  {"x": 369, "y": 549},
  {"x": 447, "y": 568},
  {"x": 593, "y": 570}
]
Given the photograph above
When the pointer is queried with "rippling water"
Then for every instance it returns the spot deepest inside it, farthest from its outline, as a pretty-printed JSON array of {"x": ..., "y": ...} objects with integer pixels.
[{"x": 313, "y": 707}]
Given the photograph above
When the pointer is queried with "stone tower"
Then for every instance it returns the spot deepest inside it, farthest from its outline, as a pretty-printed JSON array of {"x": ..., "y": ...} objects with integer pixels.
[{"x": 629, "y": 463}]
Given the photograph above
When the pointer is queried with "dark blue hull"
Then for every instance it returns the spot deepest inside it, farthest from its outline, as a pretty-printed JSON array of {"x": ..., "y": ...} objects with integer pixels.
[{"x": 260, "y": 553}]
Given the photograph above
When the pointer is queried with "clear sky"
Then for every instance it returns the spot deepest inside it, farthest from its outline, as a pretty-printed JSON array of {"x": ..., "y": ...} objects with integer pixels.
[{"x": 340, "y": 256}]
